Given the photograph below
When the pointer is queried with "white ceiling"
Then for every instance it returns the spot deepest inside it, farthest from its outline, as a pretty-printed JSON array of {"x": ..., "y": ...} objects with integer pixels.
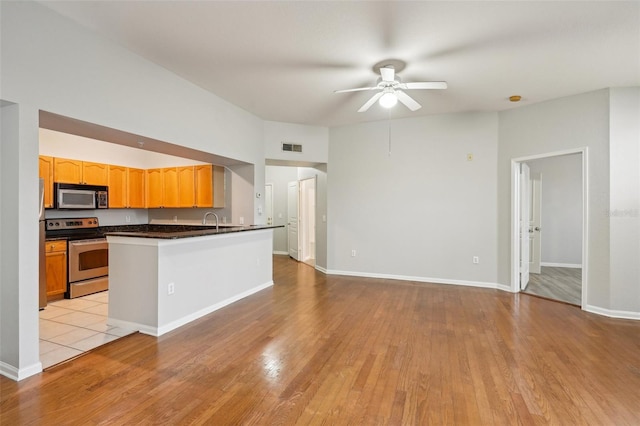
[{"x": 282, "y": 60}]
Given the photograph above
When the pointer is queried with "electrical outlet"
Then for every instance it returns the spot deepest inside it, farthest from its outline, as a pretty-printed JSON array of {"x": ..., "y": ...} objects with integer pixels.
[
  {"x": 476, "y": 259},
  {"x": 353, "y": 253},
  {"x": 241, "y": 220},
  {"x": 171, "y": 288},
  {"x": 127, "y": 219}
]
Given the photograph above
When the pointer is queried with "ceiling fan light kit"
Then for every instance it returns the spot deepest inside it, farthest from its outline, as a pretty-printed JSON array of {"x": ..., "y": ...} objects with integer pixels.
[
  {"x": 391, "y": 88},
  {"x": 388, "y": 100}
]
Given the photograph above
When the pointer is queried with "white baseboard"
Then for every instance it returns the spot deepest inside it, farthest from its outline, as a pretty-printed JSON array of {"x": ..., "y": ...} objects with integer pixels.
[
  {"x": 613, "y": 313},
  {"x": 16, "y": 374},
  {"x": 159, "y": 331},
  {"x": 480, "y": 284},
  {"x": 321, "y": 269},
  {"x": 284, "y": 253},
  {"x": 561, "y": 265}
]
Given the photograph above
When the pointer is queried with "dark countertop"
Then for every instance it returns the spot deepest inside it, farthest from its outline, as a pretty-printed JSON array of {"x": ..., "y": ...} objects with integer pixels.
[{"x": 172, "y": 232}]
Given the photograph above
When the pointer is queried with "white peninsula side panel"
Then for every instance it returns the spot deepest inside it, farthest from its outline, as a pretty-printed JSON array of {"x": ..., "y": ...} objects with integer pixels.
[{"x": 205, "y": 273}]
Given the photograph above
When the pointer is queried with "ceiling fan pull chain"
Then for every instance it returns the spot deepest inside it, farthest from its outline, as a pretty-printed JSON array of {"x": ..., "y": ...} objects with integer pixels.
[{"x": 389, "y": 130}]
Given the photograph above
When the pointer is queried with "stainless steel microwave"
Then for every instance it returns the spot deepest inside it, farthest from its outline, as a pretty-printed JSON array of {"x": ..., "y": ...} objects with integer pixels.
[{"x": 71, "y": 196}]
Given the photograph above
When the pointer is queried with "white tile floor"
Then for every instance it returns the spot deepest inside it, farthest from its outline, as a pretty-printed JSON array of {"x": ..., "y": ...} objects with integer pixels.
[{"x": 69, "y": 327}]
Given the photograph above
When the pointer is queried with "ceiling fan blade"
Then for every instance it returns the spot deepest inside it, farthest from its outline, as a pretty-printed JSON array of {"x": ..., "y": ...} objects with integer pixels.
[
  {"x": 424, "y": 85},
  {"x": 408, "y": 101},
  {"x": 370, "y": 102},
  {"x": 355, "y": 90},
  {"x": 388, "y": 73}
]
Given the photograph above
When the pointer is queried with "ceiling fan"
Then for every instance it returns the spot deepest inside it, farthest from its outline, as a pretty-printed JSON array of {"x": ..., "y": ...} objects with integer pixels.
[{"x": 391, "y": 90}]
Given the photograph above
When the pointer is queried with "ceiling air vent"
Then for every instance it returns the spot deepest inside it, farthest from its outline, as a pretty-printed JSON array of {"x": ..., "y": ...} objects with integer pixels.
[{"x": 291, "y": 147}]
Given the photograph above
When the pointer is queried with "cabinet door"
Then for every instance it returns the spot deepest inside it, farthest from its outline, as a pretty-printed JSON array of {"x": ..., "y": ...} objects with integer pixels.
[
  {"x": 186, "y": 187},
  {"x": 67, "y": 171},
  {"x": 136, "y": 180},
  {"x": 204, "y": 185},
  {"x": 170, "y": 187},
  {"x": 154, "y": 188},
  {"x": 56, "y": 265},
  {"x": 46, "y": 173},
  {"x": 95, "y": 173},
  {"x": 117, "y": 187}
]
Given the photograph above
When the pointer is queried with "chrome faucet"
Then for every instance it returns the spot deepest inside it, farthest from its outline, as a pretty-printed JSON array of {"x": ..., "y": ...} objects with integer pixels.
[{"x": 204, "y": 219}]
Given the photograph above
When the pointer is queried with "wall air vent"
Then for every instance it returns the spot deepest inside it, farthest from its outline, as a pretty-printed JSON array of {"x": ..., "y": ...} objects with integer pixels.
[{"x": 291, "y": 147}]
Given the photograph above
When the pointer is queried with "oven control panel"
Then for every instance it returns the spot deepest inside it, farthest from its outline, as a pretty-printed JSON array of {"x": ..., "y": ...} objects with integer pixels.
[{"x": 72, "y": 223}]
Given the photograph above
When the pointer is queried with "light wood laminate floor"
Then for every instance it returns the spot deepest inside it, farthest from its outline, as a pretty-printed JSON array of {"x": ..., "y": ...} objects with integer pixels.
[
  {"x": 563, "y": 284},
  {"x": 318, "y": 349}
]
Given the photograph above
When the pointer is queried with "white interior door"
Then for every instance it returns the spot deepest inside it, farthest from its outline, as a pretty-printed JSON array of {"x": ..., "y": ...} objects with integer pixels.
[
  {"x": 268, "y": 202},
  {"x": 292, "y": 219},
  {"x": 525, "y": 185},
  {"x": 535, "y": 223}
]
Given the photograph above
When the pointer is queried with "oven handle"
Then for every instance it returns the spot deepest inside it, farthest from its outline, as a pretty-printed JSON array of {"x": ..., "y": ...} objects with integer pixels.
[{"x": 88, "y": 242}]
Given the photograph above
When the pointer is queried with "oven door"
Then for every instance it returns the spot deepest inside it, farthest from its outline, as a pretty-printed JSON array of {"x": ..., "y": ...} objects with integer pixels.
[{"x": 88, "y": 259}]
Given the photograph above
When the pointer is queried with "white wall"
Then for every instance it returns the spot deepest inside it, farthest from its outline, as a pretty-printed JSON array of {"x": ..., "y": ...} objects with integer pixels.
[
  {"x": 561, "y": 202},
  {"x": 311, "y": 162},
  {"x": 19, "y": 245},
  {"x": 624, "y": 210},
  {"x": 50, "y": 63},
  {"x": 421, "y": 212},
  {"x": 568, "y": 123},
  {"x": 64, "y": 145},
  {"x": 314, "y": 141}
]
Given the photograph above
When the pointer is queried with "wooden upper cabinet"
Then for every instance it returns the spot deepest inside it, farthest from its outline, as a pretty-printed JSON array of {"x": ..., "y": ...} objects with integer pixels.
[
  {"x": 95, "y": 173},
  {"x": 117, "y": 187},
  {"x": 186, "y": 187},
  {"x": 67, "y": 171},
  {"x": 154, "y": 188},
  {"x": 75, "y": 171},
  {"x": 126, "y": 187},
  {"x": 204, "y": 185},
  {"x": 170, "y": 187},
  {"x": 46, "y": 173},
  {"x": 137, "y": 186}
]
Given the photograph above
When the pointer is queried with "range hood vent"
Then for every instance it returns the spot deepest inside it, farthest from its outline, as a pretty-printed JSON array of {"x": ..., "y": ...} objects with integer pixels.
[{"x": 291, "y": 147}]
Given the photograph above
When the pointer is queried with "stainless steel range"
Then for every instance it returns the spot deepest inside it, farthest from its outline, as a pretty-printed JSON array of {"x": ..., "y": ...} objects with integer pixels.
[{"x": 88, "y": 254}]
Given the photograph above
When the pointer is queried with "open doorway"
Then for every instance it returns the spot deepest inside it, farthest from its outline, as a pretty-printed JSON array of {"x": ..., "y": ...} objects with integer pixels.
[{"x": 549, "y": 199}]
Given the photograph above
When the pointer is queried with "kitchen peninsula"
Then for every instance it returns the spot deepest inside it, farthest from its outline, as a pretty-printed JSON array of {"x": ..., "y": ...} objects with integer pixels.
[{"x": 164, "y": 276}]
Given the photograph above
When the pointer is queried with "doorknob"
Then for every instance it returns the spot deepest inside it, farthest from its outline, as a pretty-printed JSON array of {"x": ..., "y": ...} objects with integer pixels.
[{"x": 537, "y": 228}]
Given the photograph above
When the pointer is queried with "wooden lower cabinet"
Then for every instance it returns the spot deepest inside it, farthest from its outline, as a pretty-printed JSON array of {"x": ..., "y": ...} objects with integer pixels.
[{"x": 56, "y": 264}]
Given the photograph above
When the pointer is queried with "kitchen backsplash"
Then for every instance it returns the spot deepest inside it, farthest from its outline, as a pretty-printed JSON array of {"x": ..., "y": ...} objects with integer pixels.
[{"x": 106, "y": 217}]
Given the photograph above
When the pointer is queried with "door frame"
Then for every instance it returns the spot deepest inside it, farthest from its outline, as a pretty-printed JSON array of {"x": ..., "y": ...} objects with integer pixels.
[
  {"x": 295, "y": 184},
  {"x": 304, "y": 214},
  {"x": 524, "y": 219},
  {"x": 515, "y": 216}
]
